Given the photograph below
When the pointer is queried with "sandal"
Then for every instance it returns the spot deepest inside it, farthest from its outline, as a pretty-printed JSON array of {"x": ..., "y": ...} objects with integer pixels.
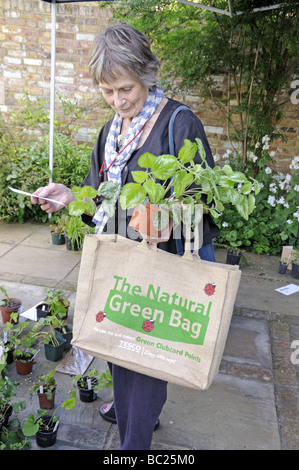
[{"x": 107, "y": 411}]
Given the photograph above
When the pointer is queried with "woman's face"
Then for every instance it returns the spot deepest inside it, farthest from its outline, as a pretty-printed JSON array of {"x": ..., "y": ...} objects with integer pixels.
[{"x": 125, "y": 95}]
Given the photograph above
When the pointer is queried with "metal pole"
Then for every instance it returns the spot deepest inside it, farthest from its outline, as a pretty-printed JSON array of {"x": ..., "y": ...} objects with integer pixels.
[{"x": 52, "y": 96}]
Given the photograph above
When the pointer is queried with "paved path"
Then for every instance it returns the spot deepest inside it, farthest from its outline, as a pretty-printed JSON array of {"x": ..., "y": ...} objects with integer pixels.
[{"x": 253, "y": 402}]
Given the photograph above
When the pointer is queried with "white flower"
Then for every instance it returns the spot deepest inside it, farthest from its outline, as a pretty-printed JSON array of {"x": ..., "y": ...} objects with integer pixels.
[
  {"x": 261, "y": 185},
  {"x": 216, "y": 158},
  {"x": 271, "y": 201},
  {"x": 286, "y": 204},
  {"x": 224, "y": 224},
  {"x": 254, "y": 158},
  {"x": 272, "y": 154},
  {"x": 265, "y": 146},
  {"x": 265, "y": 139},
  {"x": 273, "y": 188},
  {"x": 257, "y": 145},
  {"x": 295, "y": 164},
  {"x": 289, "y": 221},
  {"x": 281, "y": 200},
  {"x": 296, "y": 188},
  {"x": 268, "y": 170}
]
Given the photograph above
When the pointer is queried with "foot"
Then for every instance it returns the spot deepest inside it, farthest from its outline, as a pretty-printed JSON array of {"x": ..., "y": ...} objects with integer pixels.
[{"x": 107, "y": 411}]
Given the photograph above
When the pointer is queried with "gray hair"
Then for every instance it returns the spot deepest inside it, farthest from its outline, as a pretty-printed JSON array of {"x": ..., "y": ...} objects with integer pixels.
[{"x": 120, "y": 47}]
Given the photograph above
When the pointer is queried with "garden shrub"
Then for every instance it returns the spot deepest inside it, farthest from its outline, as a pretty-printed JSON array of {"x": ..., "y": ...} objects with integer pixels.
[
  {"x": 24, "y": 154},
  {"x": 274, "y": 221}
]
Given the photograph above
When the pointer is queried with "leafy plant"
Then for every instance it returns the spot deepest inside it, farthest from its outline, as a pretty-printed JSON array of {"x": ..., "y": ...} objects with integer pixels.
[
  {"x": 34, "y": 424},
  {"x": 193, "y": 185},
  {"x": 48, "y": 384},
  {"x": 274, "y": 222},
  {"x": 75, "y": 231},
  {"x": 97, "y": 381}
]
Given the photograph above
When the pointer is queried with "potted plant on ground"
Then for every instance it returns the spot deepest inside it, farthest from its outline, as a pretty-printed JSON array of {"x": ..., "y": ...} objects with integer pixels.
[
  {"x": 11, "y": 333},
  {"x": 53, "y": 346},
  {"x": 11, "y": 436},
  {"x": 295, "y": 265},
  {"x": 55, "y": 302},
  {"x": 283, "y": 265},
  {"x": 9, "y": 305},
  {"x": 75, "y": 231},
  {"x": 57, "y": 231},
  {"x": 180, "y": 188},
  {"x": 45, "y": 427},
  {"x": 24, "y": 354},
  {"x": 45, "y": 389},
  {"x": 233, "y": 256},
  {"x": 89, "y": 384}
]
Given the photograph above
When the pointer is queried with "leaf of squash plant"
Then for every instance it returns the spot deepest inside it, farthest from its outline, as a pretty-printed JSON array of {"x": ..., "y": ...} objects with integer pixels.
[
  {"x": 131, "y": 195},
  {"x": 181, "y": 180},
  {"x": 154, "y": 190},
  {"x": 139, "y": 176},
  {"x": 187, "y": 152},
  {"x": 146, "y": 160},
  {"x": 164, "y": 167}
]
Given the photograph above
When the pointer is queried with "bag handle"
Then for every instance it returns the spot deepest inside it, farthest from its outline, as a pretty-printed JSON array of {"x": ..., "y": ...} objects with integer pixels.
[{"x": 178, "y": 241}]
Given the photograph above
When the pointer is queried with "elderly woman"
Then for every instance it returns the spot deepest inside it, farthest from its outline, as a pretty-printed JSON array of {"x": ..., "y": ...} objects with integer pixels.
[{"x": 125, "y": 69}]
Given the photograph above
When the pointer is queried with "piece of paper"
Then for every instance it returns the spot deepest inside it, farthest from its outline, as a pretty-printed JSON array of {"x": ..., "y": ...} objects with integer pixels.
[
  {"x": 288, "y": 290},
  {"x": 31, "y": 313},
  {"x": 31, "y": 194}
]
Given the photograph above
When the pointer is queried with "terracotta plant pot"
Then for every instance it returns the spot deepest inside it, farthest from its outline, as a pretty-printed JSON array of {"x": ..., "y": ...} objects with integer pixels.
[
  {"x": 24, "y": 368},
  {"x": 145, "y": 222},
  {"x": 44, "y": 402},
  {"x": 15, "y": 307}
]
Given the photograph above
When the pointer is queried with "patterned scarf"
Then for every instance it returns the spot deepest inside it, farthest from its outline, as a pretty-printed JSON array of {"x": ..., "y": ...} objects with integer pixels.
[{"x": 118, "y": 160}]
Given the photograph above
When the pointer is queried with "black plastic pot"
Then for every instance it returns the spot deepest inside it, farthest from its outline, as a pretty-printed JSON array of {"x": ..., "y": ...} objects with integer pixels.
[
  {"x": 9, "y": 357},
  {"x": 87, "y": 395},
  {"x": 57, "y": 238},
  {"x": 46, "y": 438},
  {"x": 295, "y": 271},
  {"x": 282, "y": 268},
  {"x": 233, "y": 258},
  {"x": 43, "y": 310}
]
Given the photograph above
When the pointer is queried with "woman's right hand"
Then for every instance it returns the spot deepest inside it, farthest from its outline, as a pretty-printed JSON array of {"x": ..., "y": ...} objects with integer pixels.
[{"x": 55, "y": 191}]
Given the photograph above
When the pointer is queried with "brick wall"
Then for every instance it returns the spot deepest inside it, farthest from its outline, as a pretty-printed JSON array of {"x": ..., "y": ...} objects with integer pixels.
[{"x": 25, "y": 66}]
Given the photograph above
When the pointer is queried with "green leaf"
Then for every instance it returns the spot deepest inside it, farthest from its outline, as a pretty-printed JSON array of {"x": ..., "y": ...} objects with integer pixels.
[
  {"x": 30, "y": 427},
  {"x": 108, "y": 206},
  {"x": 88, "y": 191},
  {"x": 154, "y": 190},
  {"x": 131, "y": 195},
  {"x": 187, "y": 152},
  {"x": 146, "y": 160},
  {"x": 227, "y": 170},
  {"x": 181, "y": 180},
  {"x": 69, "y": 403},
  {"x": 76, "y": 208},
  {"x": 139, "y": 176},
  {"x": 251, "y": 203},
  {"x": 246, "y": 188},
  {"x": 164, "y": 167},
  {"x": 109, "y": 190},
  {"x": 201, "y": 150}
]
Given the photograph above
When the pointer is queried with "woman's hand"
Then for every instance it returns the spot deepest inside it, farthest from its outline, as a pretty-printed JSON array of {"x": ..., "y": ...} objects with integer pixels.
[{"x": 55, "y": 191}]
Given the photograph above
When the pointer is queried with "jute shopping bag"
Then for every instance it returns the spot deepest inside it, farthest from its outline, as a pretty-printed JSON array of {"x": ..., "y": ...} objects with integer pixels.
[{"x": 154, "y": 312}]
